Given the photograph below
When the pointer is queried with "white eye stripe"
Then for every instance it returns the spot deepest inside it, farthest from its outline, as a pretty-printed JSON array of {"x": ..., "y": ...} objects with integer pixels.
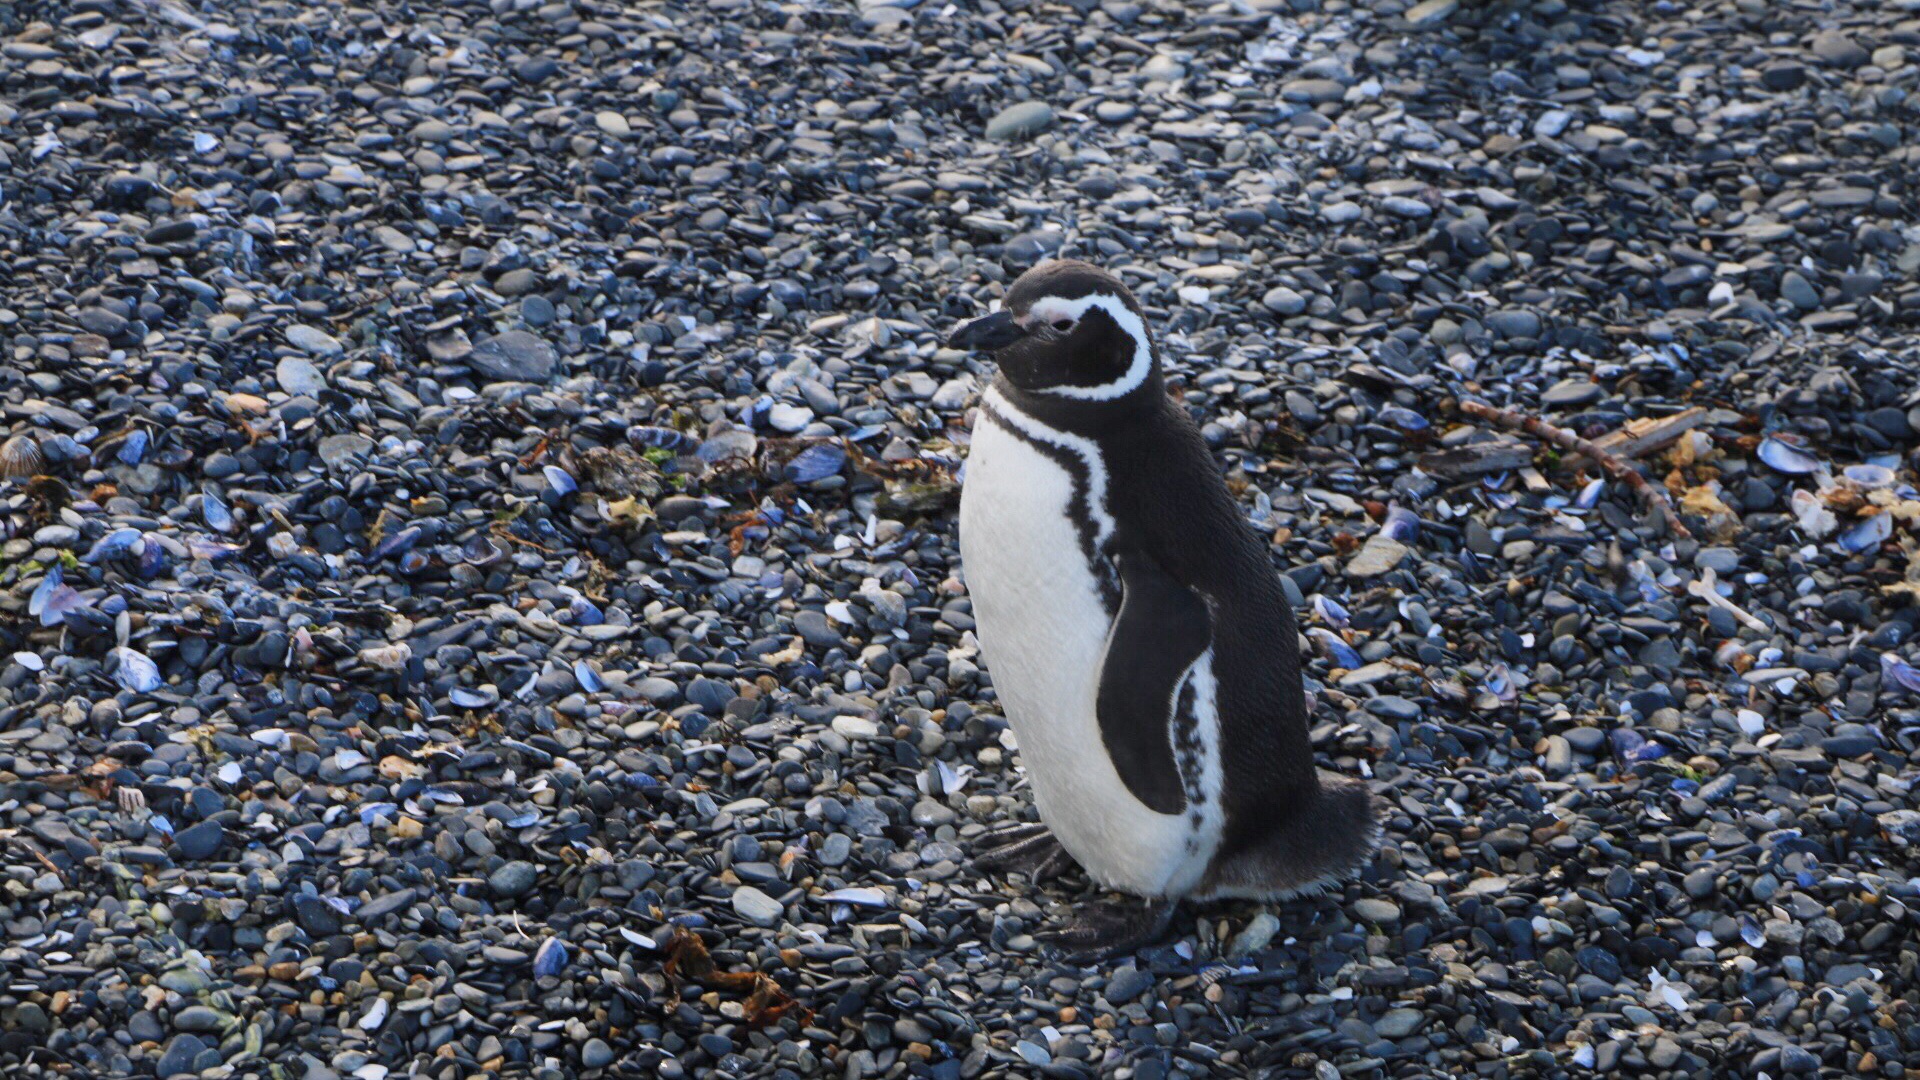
[{"x": 1052, "y": 309}]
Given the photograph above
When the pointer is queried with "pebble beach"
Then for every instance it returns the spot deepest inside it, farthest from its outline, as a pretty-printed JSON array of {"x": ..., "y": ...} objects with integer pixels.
[{"x": 479, "y": 591}]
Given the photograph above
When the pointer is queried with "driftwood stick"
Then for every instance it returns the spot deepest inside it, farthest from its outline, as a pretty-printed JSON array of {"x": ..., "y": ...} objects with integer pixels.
[
  {"x": 1644, "y": 436},
  {"x": 1567, "y": 440},
  {"x": 1460, "y": 462}
]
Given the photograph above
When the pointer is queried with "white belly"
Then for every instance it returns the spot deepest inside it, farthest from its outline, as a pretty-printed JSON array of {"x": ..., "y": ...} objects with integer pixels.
[{"x": 1043, "y": 633}]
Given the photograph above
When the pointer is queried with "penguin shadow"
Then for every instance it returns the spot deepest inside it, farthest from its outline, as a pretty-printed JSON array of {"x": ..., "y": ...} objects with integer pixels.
[{"x": 1089, "y": 925}]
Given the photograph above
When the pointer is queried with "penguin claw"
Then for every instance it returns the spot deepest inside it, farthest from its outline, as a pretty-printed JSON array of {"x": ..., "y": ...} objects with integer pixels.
[
  {"x": 1001, "y": 837},
  {"x": 1104, "y": 929},
  {"x": 1023, "y": 849},
  {"x": 1056, "y": 865}
]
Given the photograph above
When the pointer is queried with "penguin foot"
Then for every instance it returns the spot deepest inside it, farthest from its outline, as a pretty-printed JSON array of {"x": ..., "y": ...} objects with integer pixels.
[
  {"x": 1023, "y": 849},
  {"x": 1104, "y": 929}
]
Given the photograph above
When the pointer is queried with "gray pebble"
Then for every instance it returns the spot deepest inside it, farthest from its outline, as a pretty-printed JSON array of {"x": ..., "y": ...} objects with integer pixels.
[
  {"x": 756, "y": 907},
  {"x": 1020, "y": 121},
  {"x": 515, "y": 878},
  {"x": 1127, "y": 983}
]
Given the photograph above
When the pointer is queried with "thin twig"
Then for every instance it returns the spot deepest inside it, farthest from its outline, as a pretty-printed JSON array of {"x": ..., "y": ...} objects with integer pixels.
[
  {"x": 411, "y": 336},
  {"x": 1642, "y": 437},
  {"x": 34, "y": 851},
  {"x": 1567, "y": 440}
]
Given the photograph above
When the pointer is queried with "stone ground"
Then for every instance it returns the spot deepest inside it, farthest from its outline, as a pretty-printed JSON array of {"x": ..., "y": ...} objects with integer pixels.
[{"x": 479, "y": 586}]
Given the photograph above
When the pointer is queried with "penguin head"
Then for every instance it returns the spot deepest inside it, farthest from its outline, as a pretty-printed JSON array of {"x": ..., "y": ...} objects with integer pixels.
[{"x": 1067, "y": 329}]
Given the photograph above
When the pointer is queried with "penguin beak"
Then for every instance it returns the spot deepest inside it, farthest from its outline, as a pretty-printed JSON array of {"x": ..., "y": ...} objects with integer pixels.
[{"x": 989, "y": 333}]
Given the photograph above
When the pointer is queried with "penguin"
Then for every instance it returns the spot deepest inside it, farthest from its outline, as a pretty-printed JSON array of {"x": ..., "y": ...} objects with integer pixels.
[{"x": 1135, "y": 630}]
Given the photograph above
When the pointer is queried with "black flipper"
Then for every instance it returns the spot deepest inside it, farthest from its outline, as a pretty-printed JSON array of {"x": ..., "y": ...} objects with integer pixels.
[{"x": 1162, "y": 628}]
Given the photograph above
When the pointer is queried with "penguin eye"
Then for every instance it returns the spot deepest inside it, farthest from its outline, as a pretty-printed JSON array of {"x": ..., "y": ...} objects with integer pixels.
[{"x": 1063, "y": 325}]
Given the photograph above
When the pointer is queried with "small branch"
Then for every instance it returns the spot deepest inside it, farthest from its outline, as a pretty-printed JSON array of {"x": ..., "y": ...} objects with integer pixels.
[
  {"x": 1640, "y": 437},
  {"x": 411, "y": 336},
  {"x": 33, "y": 850},
  {"x": 1477, "y": 459},
  {"x": 1567, "y": 440}
]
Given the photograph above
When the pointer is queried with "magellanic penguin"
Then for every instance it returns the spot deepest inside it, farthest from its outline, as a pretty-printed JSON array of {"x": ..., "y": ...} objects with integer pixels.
[{"x": 1135, "y": 629}]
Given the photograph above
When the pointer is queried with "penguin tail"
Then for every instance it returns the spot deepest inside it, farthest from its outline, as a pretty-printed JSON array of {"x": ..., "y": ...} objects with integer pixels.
[{"x": 1331, "y": 837}]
